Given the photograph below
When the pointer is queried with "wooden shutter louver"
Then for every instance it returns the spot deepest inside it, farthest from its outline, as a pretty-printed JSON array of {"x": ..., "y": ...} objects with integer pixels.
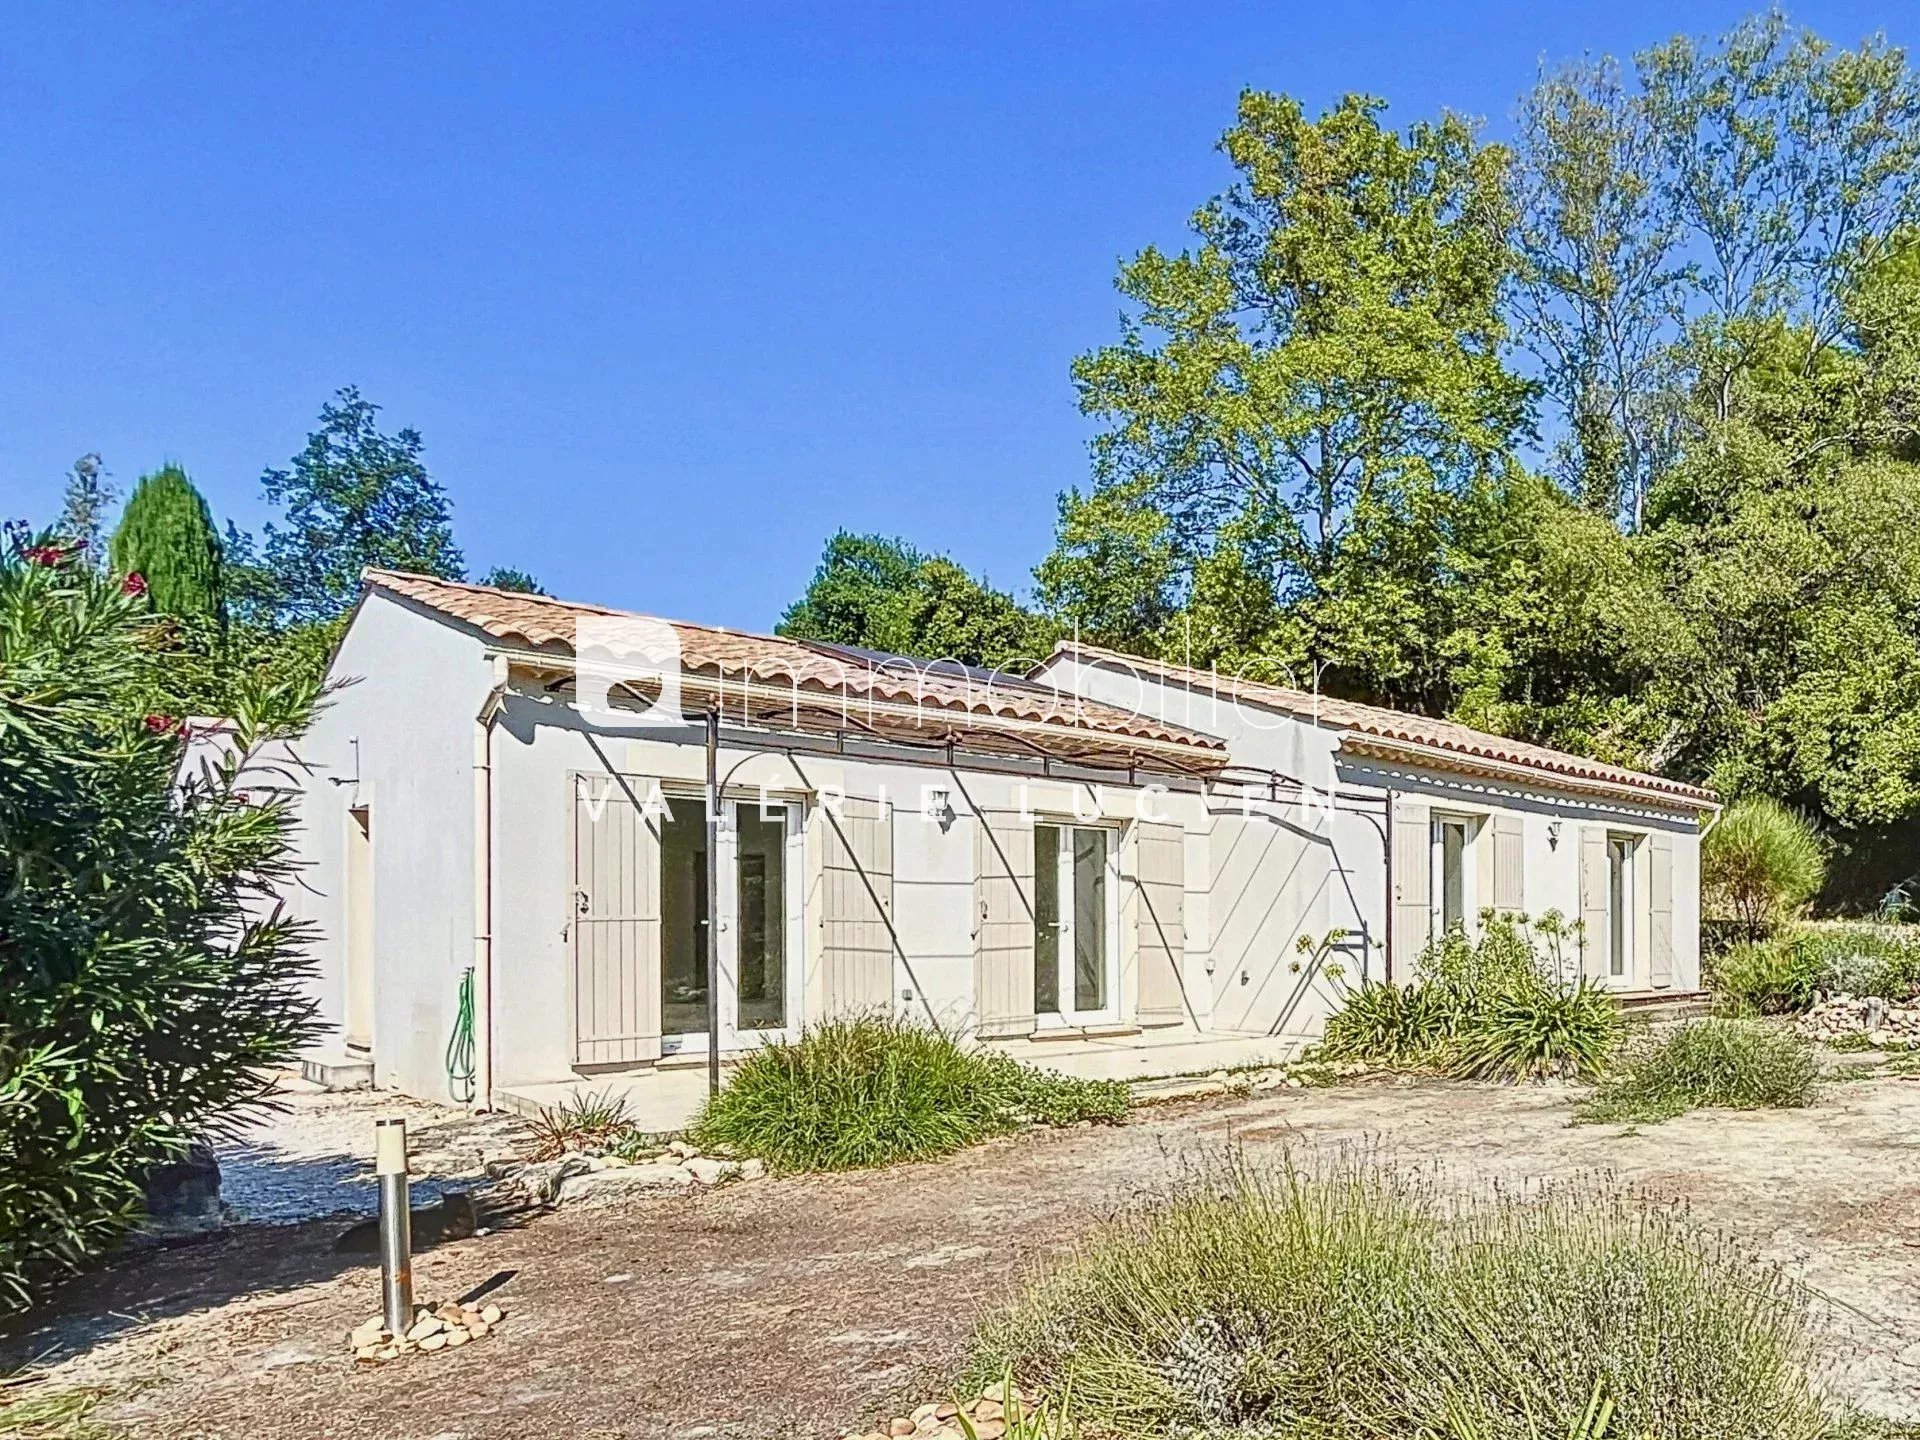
[
  {"x": 615, "y": 922},
  {"x": 1412, "y": 897},
  {"x": 1160, "y": 859},
  {"x": 1509, "y": 861},
  {"x": 856, "y": 908},
  {"x": 1660, "y": 912},
  {"x": 1003, "y": 924},
  {"x": 1594, "y": 905}
]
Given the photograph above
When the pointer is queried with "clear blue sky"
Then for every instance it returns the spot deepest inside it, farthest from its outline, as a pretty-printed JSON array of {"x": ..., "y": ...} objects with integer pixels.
[{"x": 671, "y": 291}]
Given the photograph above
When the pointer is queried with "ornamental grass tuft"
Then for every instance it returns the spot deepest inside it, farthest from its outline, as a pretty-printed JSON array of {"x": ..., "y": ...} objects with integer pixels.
[
  {"x": 1735, "y": 1064},
  {"x": 873, "y": 1090}
]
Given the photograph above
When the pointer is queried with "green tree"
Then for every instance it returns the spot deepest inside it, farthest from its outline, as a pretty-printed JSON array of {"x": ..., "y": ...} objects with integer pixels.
[
  {"x": 1302, "y": 398},
  {"x": 882, "y": 594},
  {"x": 505, "y": 577},
  {"x": 84, "y": 504},
  {"x": 353, "y": 497},
  {"x": 166, "y": 537},
  {"x": 146, "y": 976}
]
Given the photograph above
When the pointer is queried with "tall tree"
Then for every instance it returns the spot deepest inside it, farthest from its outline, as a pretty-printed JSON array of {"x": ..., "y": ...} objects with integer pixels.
[
  {"x": 84, "y": 505},
  {"x": 1599, "y": 286},
  {"x": 353, "y": 497},
  {"x": 1293, "y": 406},
  {"x": 882, "y": 594},
  {"x": 166, "y": 537},
  {"x": 506, "y": 577}
]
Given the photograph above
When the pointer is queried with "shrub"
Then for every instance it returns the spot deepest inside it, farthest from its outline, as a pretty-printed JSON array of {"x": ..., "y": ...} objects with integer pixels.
[
  {"x": 1538, "y": 1032},
  {"x": 146, "y": 976},
  {"x": 1760, "y": 864},
  {"x": 1493, "y": 1007},
  {"x": 1861, "y": 959},
  {"x": 872, "y": 1090},
  {"x": 1738, "y": 1064},
  {"x": 1767, "y": 977},
  {"x": 1350, "y": 1302},
  {"x": 1397, "y": 1024}
]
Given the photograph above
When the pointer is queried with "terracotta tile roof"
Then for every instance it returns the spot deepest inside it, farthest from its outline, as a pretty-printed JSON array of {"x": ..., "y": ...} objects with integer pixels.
[
  {"x": 1441, "y": 744},
  {"x": 1005, "y": 713}
]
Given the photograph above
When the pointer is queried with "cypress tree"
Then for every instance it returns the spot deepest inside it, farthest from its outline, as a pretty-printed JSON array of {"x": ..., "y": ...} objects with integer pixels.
[{"x": 166, "y": 535}]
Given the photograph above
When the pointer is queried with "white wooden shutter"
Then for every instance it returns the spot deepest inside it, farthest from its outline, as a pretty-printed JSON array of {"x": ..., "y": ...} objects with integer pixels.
[
  {"x": 1660, "y": 912},
  {"x": 615, "y": 922},
  {"x": 1412, "y": 886},
  {"x": 1594, "y": 901},
  {"x": 1509, "y": 860},
  {"x": 1160, "y": 872},
  {"x": 1003, "y": 923},
  {"x": 856, "y": 907}
]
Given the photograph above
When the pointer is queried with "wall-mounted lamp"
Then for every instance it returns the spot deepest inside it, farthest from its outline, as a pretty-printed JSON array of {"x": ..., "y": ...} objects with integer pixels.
[{"x": 939, "y": 808}]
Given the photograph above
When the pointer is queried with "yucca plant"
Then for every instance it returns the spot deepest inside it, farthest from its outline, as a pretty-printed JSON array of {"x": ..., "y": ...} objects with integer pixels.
[{"x": 146, "y": 973}]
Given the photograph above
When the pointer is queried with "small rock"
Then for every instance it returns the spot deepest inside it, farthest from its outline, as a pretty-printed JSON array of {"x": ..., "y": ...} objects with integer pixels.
[
  {"x": 479, "y": 1329},
  {"x": 924, "y": 1412},
  {"x": 422, "y": 1329},
  {"x": 366, "y": 1352},
  {"x": 752, "y": 1169},
  {"x": 946, "y": 1411},
  {"x": 709, "y": 1171},
  {"x": 492, "y": 1314},
  {"x": 437, "y": 1341},
  {"x": 457, "y": 1338},
  {"x": 901, "y": 1426},
  {"x": 681, "y": 1148},
  {"x": 989, "y": 1410},
  {"x": 989, "y": 1429},
  {"x": 450, "y": 1312},
  {"x": 609, "y": 1183},
  {"x": 368, "y": 1332}
]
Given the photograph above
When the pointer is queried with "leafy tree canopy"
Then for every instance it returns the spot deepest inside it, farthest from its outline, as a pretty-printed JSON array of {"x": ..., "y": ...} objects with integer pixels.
[{"x": 882, "y": 594}]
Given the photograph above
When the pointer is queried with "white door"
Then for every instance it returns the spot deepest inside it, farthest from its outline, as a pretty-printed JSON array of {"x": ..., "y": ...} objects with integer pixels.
[
  {"x": 1076, "y": 913},
  {"x": 757, "y": 911}
]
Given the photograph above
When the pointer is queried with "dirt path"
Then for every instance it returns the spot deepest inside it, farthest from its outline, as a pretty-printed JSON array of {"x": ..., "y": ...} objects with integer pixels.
[{"x": 800, "y": 1307}]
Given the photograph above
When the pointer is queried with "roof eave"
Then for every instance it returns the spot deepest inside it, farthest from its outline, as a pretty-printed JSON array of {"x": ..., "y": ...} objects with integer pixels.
[{"x": 1433, "y": 757}]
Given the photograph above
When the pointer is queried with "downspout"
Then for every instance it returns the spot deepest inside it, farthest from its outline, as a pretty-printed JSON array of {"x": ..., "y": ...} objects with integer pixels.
[
  {"x": 1388, "y": 896},
  {"x": 483, "y": 884}
]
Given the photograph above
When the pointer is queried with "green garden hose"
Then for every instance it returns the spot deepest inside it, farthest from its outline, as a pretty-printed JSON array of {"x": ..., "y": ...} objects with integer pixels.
[{"x": 460, "y": 1044}]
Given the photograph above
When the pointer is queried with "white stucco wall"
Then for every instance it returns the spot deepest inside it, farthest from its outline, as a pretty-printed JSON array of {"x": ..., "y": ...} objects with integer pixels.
[
  {"x": 416, "y": 684},
  {"x": 1276, "y": 872},
  {"x": 541, "y": 742}
]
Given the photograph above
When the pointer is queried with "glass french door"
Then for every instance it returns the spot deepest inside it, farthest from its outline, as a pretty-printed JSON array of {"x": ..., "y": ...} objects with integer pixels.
[
  {"x": 1075, "y": 912},
  {"x": 758, "y": 914}
]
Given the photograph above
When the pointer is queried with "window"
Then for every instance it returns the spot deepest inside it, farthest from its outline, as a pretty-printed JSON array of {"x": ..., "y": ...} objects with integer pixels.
[
  {"x": 1075, "y": 929},
  {"x": 1619, "y": 906},
  {"x": 1452, "y": 873}
]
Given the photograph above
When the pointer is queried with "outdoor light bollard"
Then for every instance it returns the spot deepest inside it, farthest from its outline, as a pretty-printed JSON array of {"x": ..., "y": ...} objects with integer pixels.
[{"x": 396, "y": 1225}]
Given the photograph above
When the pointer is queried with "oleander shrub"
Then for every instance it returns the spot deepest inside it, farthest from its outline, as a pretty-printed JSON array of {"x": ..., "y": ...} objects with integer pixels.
[
  {"x": 1348, "y": 1301},
  {"x": 147, "y": 976},
  {"x": 1732, "y": 1064},
  {"x": 874, "y": 1090}
]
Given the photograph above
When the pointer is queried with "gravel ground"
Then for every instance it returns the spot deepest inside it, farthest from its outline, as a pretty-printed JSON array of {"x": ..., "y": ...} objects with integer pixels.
[
  {"x": 314, "y": 1157},
  {"x": 804, "y": 1306}
]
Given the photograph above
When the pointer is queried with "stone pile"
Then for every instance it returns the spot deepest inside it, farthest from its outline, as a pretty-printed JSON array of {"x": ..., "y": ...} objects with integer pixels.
[
  {"x": 585, "y": 1175},
  {"x": 988, "y": 1417},
  {"x": 435, "y": 1327},
  {"x": 1886, "y": 1026}
]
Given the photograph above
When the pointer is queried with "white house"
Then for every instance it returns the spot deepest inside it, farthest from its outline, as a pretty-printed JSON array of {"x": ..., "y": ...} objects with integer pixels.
[{"x": 1103, "y": 865}]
